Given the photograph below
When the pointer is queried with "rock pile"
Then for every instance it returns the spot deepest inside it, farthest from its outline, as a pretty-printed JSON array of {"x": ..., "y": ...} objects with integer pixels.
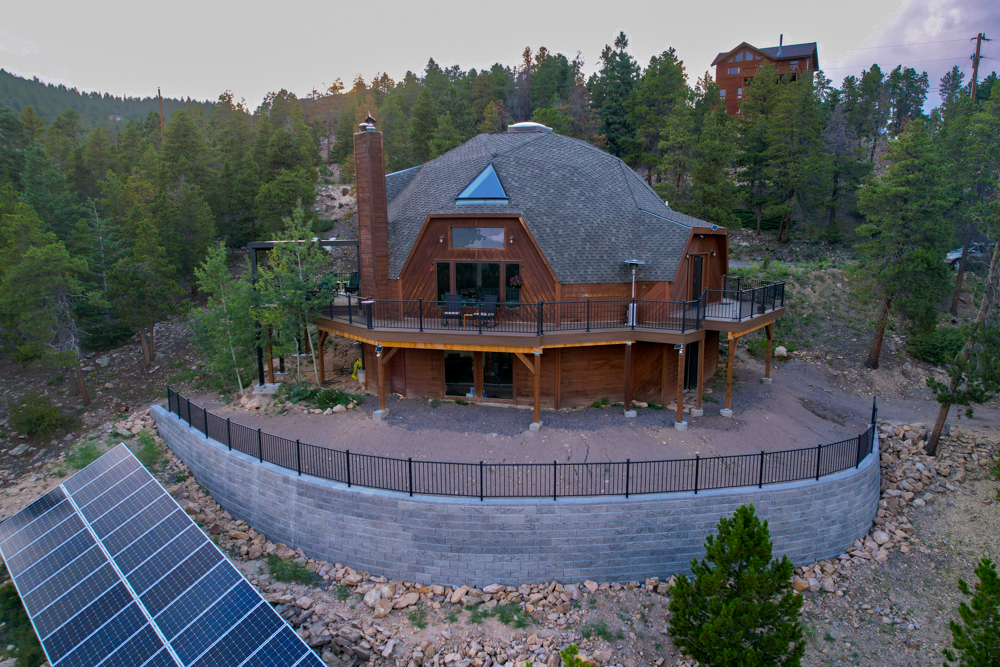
[{"x": 911, "y": 480}]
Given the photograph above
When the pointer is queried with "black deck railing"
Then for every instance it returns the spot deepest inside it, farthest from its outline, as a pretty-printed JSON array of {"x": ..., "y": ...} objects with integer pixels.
[
  {"x": 529, "y": 480},
  {"x": 737, "y": 301}
]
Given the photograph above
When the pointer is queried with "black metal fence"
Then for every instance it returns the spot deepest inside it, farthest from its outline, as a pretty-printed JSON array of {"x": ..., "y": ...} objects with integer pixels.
[
  {"x": 513, "y": 317},
  {"x": 739, "y": 299},
  {"x": 529, "y": 480}
]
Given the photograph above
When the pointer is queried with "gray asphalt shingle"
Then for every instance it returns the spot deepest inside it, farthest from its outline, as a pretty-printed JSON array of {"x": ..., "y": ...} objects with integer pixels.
[{"x": 586, "y": 208}]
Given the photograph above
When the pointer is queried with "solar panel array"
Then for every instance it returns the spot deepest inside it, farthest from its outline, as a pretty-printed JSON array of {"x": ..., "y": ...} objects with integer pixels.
[{"x": 113, "y": 572}]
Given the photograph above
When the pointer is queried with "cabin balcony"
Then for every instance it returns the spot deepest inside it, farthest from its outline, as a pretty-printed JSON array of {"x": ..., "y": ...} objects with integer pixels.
[{"x": 740, "y": 306}]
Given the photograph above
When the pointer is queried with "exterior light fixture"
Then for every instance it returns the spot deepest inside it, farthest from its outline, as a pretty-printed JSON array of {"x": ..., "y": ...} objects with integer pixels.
[
  {"x": 378, "y": 350},
  {"x": 713, "y": 253},
  {"x": 440, "y": 239},
  {"x": 511, "y": 240}
]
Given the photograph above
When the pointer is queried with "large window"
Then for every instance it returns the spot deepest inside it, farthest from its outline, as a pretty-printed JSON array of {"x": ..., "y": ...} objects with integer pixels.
[
  {"x": 734, "y": 70},
  {"x": 443, "y": 280},
  {"x": 477, "y": 237},
  {"x": 474, "y": 281}
]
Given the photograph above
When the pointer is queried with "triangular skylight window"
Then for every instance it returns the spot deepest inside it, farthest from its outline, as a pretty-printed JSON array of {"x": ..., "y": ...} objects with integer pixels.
[{"x": 484, "y": 189}]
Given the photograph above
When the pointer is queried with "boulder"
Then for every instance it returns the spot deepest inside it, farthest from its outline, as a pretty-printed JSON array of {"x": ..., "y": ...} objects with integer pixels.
[
  {"x": 382, "y": 608},
  {"x": 406, "y": 601},
  {"x": 781, "y": 352}
]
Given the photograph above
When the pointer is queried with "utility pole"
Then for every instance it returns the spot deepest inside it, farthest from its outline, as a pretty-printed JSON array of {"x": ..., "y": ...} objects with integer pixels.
[
  {"x": 980, "y": 38},
  {"x": 158, "y": 95}
]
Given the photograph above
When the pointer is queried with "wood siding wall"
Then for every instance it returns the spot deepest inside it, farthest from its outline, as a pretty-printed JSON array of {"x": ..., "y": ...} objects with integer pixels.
[
  {"x": 589, "y": 374},
  {"x": 647, "y": 370},
  {"x": 711, "y": 353},
  {"x": 418, "y": 279}
]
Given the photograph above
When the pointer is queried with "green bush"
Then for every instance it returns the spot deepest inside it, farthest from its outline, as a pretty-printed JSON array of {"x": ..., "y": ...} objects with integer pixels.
[
  {"x": 16, "y": 630},
  {"x": 288, "y": 571},
  {"x": 320, "y": 397},
  {"x": 976, "y": 638},
  {"x": 739, "y": 608},
  {"x": 150, "y": 452},
  {"x": 939, "y": 347},
  {"x": 36, "y": 415},
  {"x": 83, "y": 455}
]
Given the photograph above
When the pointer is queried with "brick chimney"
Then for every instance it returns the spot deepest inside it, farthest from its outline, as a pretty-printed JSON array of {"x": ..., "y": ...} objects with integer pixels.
[{"x": 373, "y": 212}]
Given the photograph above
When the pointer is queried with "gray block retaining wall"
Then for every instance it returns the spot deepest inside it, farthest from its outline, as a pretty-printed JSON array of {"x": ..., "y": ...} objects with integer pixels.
[{"x": 432, "y": 539}]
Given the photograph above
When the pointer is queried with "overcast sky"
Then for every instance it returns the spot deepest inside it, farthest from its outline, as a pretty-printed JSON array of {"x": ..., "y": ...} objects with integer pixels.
[{"x": 200, "y": 48}]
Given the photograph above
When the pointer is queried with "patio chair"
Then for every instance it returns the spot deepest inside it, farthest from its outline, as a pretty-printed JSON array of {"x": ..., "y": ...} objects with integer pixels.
[
  {"x": 452, "y": 309},
  {"x": 487, "y": 311},
  {"x": 353, "y": 284}
]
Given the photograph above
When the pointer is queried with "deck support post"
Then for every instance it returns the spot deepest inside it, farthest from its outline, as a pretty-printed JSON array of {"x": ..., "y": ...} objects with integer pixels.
[
  {"x": 320, "y": 362},
  {"x": 383, "y": 358},
  {"x": 733, "y": 342},
  {"x": 769, "y": 331},
  {"x": 698, "y": 410},
  {"x": 629, "y": 410},
  {"x": 538, "y": 389},
  {"x": 679, "y": 422}
]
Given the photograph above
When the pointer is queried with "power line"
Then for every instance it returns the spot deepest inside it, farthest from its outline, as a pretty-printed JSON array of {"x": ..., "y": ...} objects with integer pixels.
[
  {"x": 910, "y": 62},
  {"x": 893, "y": 46}
]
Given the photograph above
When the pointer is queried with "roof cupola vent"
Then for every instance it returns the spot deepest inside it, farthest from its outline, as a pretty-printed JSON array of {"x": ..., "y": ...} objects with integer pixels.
[{"x": 528, "y": 126}]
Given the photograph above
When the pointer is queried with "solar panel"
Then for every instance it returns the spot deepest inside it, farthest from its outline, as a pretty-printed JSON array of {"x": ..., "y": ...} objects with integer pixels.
[{"x": 112, "y": 572}]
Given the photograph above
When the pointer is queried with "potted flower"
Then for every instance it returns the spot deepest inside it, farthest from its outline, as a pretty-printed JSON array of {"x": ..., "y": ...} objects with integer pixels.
[{"x": 516, "y": 281}]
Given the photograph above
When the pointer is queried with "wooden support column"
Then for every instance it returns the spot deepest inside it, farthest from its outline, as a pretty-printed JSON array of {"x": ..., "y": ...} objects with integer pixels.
[
  {"x": 701, "y": 373},
  {"x": 680, "y": 384},
  {"x": 769, "y": 331},
  {"x": 628, "y": 375},
  {"x": 664, "y": 381},
  {"x": 383, "y": 359},
  {"x": 270, "y": 358},
  {"x": 320, "y": 362},
  {"x": 733, "y": 342},
  {"x": 538, "y": 387}
]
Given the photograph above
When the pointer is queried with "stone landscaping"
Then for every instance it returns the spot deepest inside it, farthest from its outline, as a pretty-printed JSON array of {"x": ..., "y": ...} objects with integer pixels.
[{"x": 353, "y": 617}]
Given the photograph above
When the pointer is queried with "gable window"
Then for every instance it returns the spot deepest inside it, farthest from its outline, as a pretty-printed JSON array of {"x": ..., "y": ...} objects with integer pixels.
[
  {"x": 739, "y": 57},
  {"x": 734, "y": 70},
  {"x": 484, "y": 189},
  {"x": 477, "y": 237},
  {"x": 749, "y": 56}
]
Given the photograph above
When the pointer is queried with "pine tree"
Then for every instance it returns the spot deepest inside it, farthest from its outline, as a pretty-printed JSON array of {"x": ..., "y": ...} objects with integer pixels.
[
  {"x": 658, "y": 107},
  {"x": 753, "y": 129},
  {"x": 39, "y": 283},
  {"x": 185, "y": 225},
  {"x": 610, "y": 89},
  {"x": 976, "y": 639},
  {"x": 797, "y": 167},
  {"x": 739, "y": 609},
  {"x": 46, "y": 191},
  {"x": 446, "y": 137},
  {"x": 713, "y": 194},
  {"x": 142, "y": 287},
  {"x": 181, "y": 155},
  {"x": 33, "y": 124},
  {"x": 225, "y": 330},
  {"x": 902, "y": 265}
]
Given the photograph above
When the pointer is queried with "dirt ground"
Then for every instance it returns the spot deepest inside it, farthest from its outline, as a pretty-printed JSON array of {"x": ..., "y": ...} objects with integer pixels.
[{"x": 802, "y": 407}]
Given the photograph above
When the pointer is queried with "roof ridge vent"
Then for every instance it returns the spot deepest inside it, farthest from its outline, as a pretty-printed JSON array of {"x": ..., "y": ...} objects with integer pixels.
[{"x": 528, "y": 126}]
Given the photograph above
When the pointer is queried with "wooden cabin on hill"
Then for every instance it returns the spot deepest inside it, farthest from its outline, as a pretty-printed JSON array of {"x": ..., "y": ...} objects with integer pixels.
[
  {"x": 534, "y": 269},
  {"x": 734, "y": 69}
]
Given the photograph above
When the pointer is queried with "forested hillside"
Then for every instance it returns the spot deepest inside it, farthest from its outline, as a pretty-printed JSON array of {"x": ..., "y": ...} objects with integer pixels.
[
  {"x": 49, "y": 100},
  {"x": 108, "y": 222}
]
